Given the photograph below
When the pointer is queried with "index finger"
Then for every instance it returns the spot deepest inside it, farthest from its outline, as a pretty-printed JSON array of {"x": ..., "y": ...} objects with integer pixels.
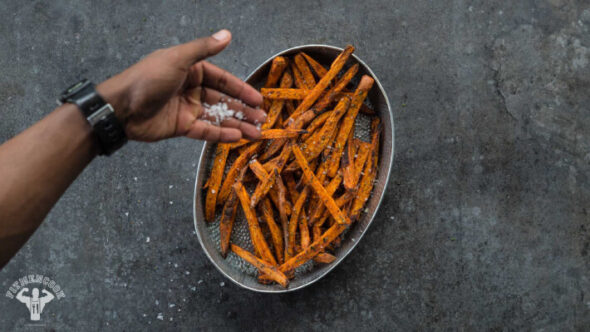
[{"x": 227, "y": 83}]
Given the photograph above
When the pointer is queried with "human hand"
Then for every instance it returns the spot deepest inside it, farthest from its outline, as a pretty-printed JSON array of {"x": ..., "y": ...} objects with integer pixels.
[{"x": 166, "y": 93}]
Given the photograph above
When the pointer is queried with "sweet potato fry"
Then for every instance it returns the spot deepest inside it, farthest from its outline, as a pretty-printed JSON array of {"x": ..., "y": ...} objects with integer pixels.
[
  {"x": 317, "y": 90},
  {"x": 318, "y": 141},
  {"x": 276, "y": 145},
  {"x": 256, "y": 235},
  {"x": 281, "y": 93},
  {"x": 275, "y": 231},
  {"x": 291, "y": 187},
  {"x": 238, "y": 164},
  {"x": 316, "y": 247},
  {"x": 368, "y": 179},
  {"x": 295, "y": 217},
  {"x": 277, "y": 67},
  {"x": 303, "y": 67},
  {"x": 281, "y": 205},
  {"x": 264, "y": 267},
  {"x": 340, "y": 202},
  {"x": 258, "y": 169},
  {"x": 228, "y": 215},
  {"x": 278, "y": 198},
  {"x": 263, "y": 188},
  {"x": 304, "y": 230},
  {"x": 318, "y": 208},
  {"x": 221, "y": 153},
  {"x": 359, "y": 164},
  {"x": 340, "y": 217},
  {"x": 289, "y": 107},
  {"x": 277, "y": 105},
  {"x": 324, "y": 258},
  {"x": 348, "y": 165},
  {"x": 298, "y": 77},
  {"x": 315, "y": 124},
  {"x": 279, "y": 161},
  {"x": 359, "y": 96},
  {"x": 317, "y": 67},
  {"x": 270, "y": 134},
  {"x": 281, "y": 133},
  {"x": 331, "y": 95}
]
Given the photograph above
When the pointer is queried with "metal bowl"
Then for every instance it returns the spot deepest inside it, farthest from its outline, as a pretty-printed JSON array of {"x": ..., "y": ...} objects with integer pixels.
[{"x": 236, "y": 270}]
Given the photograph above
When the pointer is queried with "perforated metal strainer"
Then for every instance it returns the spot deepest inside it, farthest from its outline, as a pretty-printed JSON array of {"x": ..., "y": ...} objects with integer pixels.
[{"x": 240, "y": 272}]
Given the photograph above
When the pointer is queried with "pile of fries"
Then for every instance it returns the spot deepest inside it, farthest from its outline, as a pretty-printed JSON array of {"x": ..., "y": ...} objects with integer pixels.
[{"x": 308, "y": 168}]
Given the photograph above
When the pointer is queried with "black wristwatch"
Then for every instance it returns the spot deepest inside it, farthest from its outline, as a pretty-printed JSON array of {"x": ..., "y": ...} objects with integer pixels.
[{"x": 99, "y": 114}]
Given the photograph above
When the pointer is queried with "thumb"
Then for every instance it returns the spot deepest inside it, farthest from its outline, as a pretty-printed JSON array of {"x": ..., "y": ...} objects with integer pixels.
[{"x": 202, "y": 48}]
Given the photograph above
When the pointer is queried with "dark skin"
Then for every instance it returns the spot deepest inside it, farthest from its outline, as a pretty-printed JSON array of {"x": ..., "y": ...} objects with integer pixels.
[{"x": 160, "y": 97}]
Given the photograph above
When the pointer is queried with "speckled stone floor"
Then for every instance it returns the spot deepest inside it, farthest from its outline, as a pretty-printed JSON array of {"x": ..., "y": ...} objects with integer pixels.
[{"x": 485, "y": 224}]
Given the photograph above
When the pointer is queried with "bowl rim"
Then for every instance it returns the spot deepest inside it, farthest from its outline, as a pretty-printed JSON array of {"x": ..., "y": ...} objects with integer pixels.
[{"x": 330, "y": 267}]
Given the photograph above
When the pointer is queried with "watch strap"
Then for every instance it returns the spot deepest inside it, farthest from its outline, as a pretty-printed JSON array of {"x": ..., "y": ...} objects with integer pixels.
[{"x": 100, "y": 115}]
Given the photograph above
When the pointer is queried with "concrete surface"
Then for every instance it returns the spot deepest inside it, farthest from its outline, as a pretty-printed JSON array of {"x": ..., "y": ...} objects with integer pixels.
[{"x": 486, "y": 220}]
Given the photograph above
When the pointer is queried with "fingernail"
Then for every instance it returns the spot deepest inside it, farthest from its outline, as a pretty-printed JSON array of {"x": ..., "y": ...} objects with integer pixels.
[{"x": 221, "y": 35}]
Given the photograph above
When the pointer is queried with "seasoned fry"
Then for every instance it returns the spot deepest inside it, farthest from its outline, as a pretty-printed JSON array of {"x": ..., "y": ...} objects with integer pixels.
[
  {"x": 330, "y": 96},
  {"x": 314, "y": 145},
  {"x": 263, "y": 188},
  {"x": 277, "y": 67},
  {"x": 315, "y": 124},
  {"x": 367, "y": 181},
  {"x": 282, "y": 93},
  {"x": 282, "y": 207},
  {"x": 340, "y": 202},
  {"x": 303, "y": 67},
  {"x": 328, "y": 201},
  {"x": 295, "y": 216},
  {"x": 228, "y": 216},
  {"x": 277, "y": 105},
  {"x": 318, "y": 209},
  {"x": 316, "y": 247},
  {"x": 317, "y": 90},
  {"x": 258, "y": 169},
  {"x": 324, "y": 258},
  {"x": 297, "y": 124},
  {"x": 275, "y": 231},
  {"x": 348, "y": 165},
  {"x": 266, "y": 268},
  {"x": 270, "y": 134},
  {"x": 256, "y": 235},
  {"x": 216, "y": 176},
  {"x": 362, "y": 155},
  {"x": 291, "y": 186},
  {"x": 317, "y": 67},
  {"x": 304, "y": 230},
  {"x": 359, "y": 96},
  {"x": 298, "y": 76},
  {"x": 279, "y": 161},
  {"x": 289, "y": 107},
  {"x": 281, "y": 133},
  {"x": 238, "y": 164}
]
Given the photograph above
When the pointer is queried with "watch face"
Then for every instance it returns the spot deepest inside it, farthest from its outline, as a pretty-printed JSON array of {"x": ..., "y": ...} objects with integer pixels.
[{"x": 72, "y": 90}]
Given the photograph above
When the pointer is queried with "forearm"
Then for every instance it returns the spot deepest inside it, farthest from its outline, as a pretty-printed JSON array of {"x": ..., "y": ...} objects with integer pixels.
[{"x": 36, "y": 167}]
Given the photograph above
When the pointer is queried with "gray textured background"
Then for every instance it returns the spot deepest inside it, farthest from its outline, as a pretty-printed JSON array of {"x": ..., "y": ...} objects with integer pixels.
[{"x": 485, "y": 224}]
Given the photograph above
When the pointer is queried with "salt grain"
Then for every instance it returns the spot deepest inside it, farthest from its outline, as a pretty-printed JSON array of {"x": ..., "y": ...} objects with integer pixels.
[
  {"x": 160, "y": 316},
  {"x": 219, "y": 112},
  {"x": 147, "y": 239}
]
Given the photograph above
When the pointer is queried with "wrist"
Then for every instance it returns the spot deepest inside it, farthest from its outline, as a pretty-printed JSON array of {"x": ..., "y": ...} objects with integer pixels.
[{"x": 115, "y": 91}]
